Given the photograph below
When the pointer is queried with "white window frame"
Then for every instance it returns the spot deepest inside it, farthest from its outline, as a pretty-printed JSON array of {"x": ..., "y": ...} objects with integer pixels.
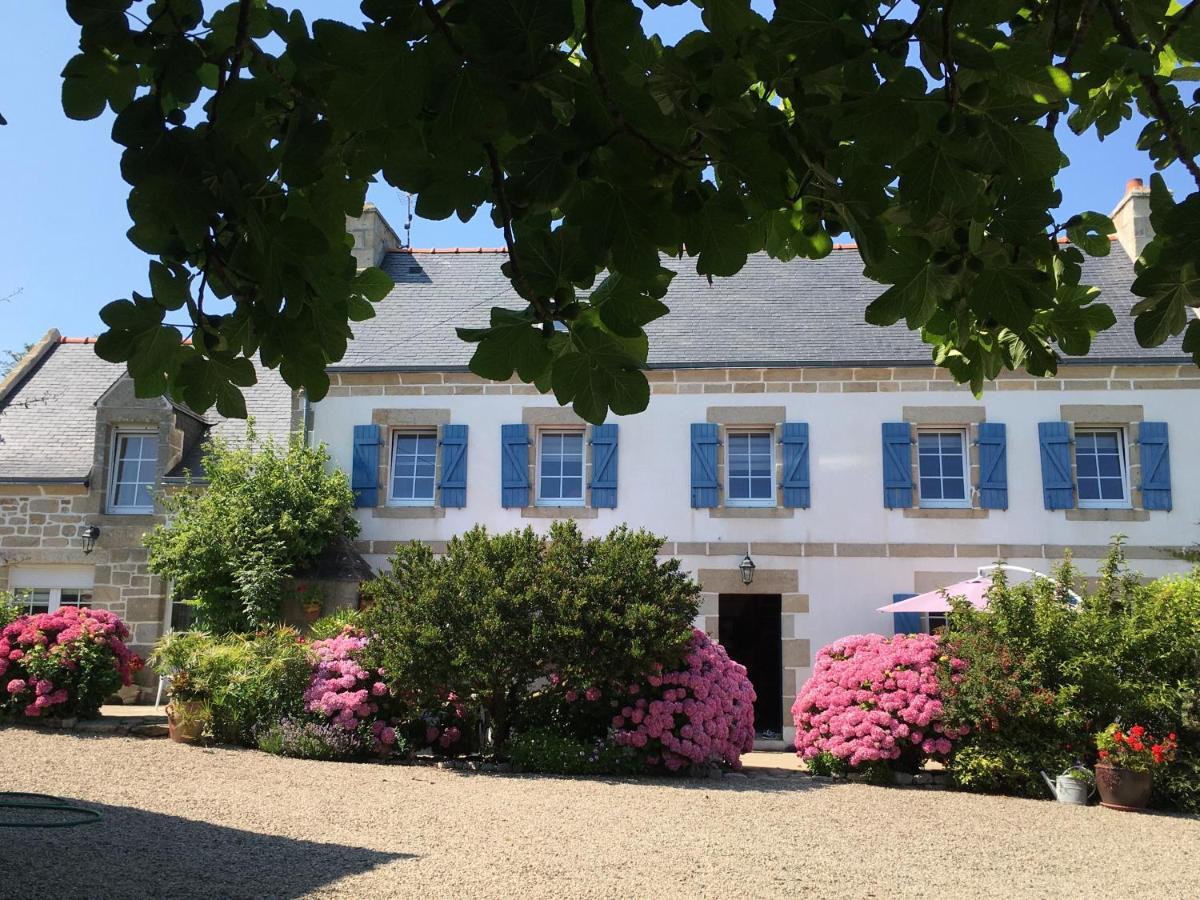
[
  {"x": 748, "y": 502},
  {"x": 930, "y": 621},
  {"x": 542, "y": 434},
  {"x": 54, "y": 579},
  {"x": 113, "y": 467},
  {"x": 397, "y": 433},
  {"x": 55, "y": 597},
  {"x": 924, "y": 502},
  {"x": 1126, "y": 501}
]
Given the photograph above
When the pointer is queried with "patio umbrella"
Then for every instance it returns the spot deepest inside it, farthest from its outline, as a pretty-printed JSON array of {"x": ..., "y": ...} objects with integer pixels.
[{"x": 974, "y": 589}]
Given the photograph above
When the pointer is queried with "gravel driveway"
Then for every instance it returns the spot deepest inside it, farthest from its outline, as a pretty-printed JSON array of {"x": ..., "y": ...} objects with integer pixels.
[{"x": 188, "y": 822}]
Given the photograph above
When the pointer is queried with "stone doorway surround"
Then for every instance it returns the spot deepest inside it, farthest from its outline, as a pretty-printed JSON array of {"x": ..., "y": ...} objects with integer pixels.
[{"x": 797, "y": 653}]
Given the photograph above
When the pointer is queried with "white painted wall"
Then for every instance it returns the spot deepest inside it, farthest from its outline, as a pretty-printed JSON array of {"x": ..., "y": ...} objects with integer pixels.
[{"x": 847, "y": 487}]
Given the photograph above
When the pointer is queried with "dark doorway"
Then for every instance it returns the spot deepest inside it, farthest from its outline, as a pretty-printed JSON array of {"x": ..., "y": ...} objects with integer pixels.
[{"x": 749, "y": 630}]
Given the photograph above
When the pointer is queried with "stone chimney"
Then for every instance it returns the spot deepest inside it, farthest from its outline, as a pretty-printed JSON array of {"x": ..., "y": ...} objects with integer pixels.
[
  {"x": 1132, "y": 218},
  {"x": 373, "y": 236}
]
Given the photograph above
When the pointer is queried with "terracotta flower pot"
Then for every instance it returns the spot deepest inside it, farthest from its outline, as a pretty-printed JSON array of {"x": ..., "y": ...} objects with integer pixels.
[
  {"x": 311, "y": 614},
  {"x": 1123, "y": 788},
  {"x": 185, "y": 722}
]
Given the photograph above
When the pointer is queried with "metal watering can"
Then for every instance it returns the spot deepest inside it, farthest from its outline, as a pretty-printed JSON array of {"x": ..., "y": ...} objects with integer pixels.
[{"x": 1070, "y": 790}]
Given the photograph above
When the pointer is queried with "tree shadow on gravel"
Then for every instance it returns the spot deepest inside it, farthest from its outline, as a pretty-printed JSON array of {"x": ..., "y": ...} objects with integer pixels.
[{"x": 134, "y": 853}]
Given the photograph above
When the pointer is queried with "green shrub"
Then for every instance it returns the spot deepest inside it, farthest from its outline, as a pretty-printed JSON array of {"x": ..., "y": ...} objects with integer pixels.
[
  {"x": 1043, "y": 675},
  {"x": 229, "y": 548},
  {"x": 825, "y": 763},
  {"x": 552, "y": 752},
  {"x": 498, "y": 612},
  {"x": 1002, "y": 769},
  {"x": 1177, "y": 784},
  {"x": 244, "y": 679},
  {"x": 334, "y": 624}
]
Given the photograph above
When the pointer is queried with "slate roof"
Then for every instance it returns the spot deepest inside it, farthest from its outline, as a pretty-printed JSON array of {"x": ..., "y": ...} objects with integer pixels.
[
  {"x": 802, "y": 313},
  {"x": 48, "y": 422}
]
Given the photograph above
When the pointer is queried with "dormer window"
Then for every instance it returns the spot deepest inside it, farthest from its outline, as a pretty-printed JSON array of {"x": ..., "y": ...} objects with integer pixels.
[{"x": 132, "y": 477}]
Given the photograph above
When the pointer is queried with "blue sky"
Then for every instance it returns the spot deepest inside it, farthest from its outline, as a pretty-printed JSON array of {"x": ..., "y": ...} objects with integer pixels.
[{"x": 64, "y": 246}]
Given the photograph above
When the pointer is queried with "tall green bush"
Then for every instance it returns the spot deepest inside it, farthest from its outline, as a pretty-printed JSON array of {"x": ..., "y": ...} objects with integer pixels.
[
  {"x": 1044, "y": 674},
  {"x": 229, "y": 546},
  {"x": 498, "y": 612}
]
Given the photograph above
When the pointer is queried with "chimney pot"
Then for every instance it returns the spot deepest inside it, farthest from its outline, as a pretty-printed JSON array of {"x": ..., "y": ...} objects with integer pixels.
[{"x": 1132, "y": 218}]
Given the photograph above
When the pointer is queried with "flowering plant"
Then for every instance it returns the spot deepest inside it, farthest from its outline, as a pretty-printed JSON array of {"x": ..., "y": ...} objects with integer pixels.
[
  {"x": 701, "y": 713},
  {"x": 311, "y": 596},
  {"x": 872, "y": 698},
  {"x": 1136, "y": 749},
  {"x": 63, "y": 663}
]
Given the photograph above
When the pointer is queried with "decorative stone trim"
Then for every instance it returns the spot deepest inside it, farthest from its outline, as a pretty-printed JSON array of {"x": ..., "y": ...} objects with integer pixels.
[
  {"x": 764, "y": 416},
  {"x": 1100, "y": 414},
  {"x": 752, "y": 512},
  {"x": 400, "y": 418},
  {"x": 408, "y": 512},
  {"x": 559, "y": 512},
  {"x": 796, "y": 380},
  {"x": 766, "y": 581},
  {"x": 1111, "y": 515},
  {"x": 559, "y": 416},
  {"x": 44, "y": 490},
  {"x": 944, "y": 415}
]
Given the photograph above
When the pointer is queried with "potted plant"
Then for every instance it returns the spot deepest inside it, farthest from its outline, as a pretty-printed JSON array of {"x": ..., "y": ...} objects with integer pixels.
[
  {"x": 188, "y": 711},
  {"x": 312, "y": 601},
  {"x": 1125, "y": 770},
  {"x": 178, "y": 657}
]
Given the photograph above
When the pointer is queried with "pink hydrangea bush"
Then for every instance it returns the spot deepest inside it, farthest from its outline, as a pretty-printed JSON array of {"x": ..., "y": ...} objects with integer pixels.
[
  {"x": 63, "y": 663},
  {"x": 873, "y": 699},
  {"x": 699, "y": 714},
  {"x": 354, "y": 698}
]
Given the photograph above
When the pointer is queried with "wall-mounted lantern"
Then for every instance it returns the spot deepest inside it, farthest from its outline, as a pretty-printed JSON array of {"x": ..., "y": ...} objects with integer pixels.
[
  {"x": 89, "y": 534},
  {"x": 746, "y": 567}
]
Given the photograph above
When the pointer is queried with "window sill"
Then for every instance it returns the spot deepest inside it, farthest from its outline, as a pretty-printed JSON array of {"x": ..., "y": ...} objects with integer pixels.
[
  {"x": 408, "y": 512},
  {"x": 751, "y": 512},
  {"x": 945, "y": 512},
  {"x": 559, "y": 512},
  {"x": 125, "y": 518},
  {"x": 1101, "y": 514}
]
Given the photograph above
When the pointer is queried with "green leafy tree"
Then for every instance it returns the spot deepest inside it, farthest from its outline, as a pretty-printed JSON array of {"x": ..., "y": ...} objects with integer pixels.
[
  {"x": 228, "y": 546},
  {"x": 926, "y": 130},
  {"x": 498, "y": 612}
]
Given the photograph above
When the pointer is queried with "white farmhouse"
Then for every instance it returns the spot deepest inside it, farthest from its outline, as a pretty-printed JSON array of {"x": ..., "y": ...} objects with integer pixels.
[{"x": 849, "y": 468}]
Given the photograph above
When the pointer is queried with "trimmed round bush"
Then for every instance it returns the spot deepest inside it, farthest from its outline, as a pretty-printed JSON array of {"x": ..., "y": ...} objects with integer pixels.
[
  {"x": 874, "y": 699},
  {"x": 701, "y": 713},
  {"x": 63, "y": 663}
]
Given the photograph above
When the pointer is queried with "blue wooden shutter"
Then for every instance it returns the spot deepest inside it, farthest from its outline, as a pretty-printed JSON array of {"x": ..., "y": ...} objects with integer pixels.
[
  {"x": 454, "y": 466},
  {"x": 364, "y": 477},
  {"x": 604, "y": 466},
  {"x": 993, "y": 466},
  {"x": 1058, "y": 490},
  {"x": 514, "y": 465},
  {"x": 705, "y": 487},
  {"x": 1156, "y": 465},
  {"x": 897, "y": 465},
  {"x": 905, "y": 623},
  {"x": 796, "y": 488}
]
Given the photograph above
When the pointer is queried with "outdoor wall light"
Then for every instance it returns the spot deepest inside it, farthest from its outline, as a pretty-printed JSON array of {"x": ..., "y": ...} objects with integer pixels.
[
  {"x": 89, "y": 535},
  {"x": 746, "y": 566}
]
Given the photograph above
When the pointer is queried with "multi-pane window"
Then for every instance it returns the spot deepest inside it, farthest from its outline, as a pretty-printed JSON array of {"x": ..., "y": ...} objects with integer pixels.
[
  {"x": 135, "y": 458},
  {"x": 560, "y": 468},
  {"x": 414, "y": 460},
  {"x": 1100, "y": 469},
  {"x": 942, "y": 467},
  {"x": 44, "y": 600},
  {"x": 750, "y": 467}
]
